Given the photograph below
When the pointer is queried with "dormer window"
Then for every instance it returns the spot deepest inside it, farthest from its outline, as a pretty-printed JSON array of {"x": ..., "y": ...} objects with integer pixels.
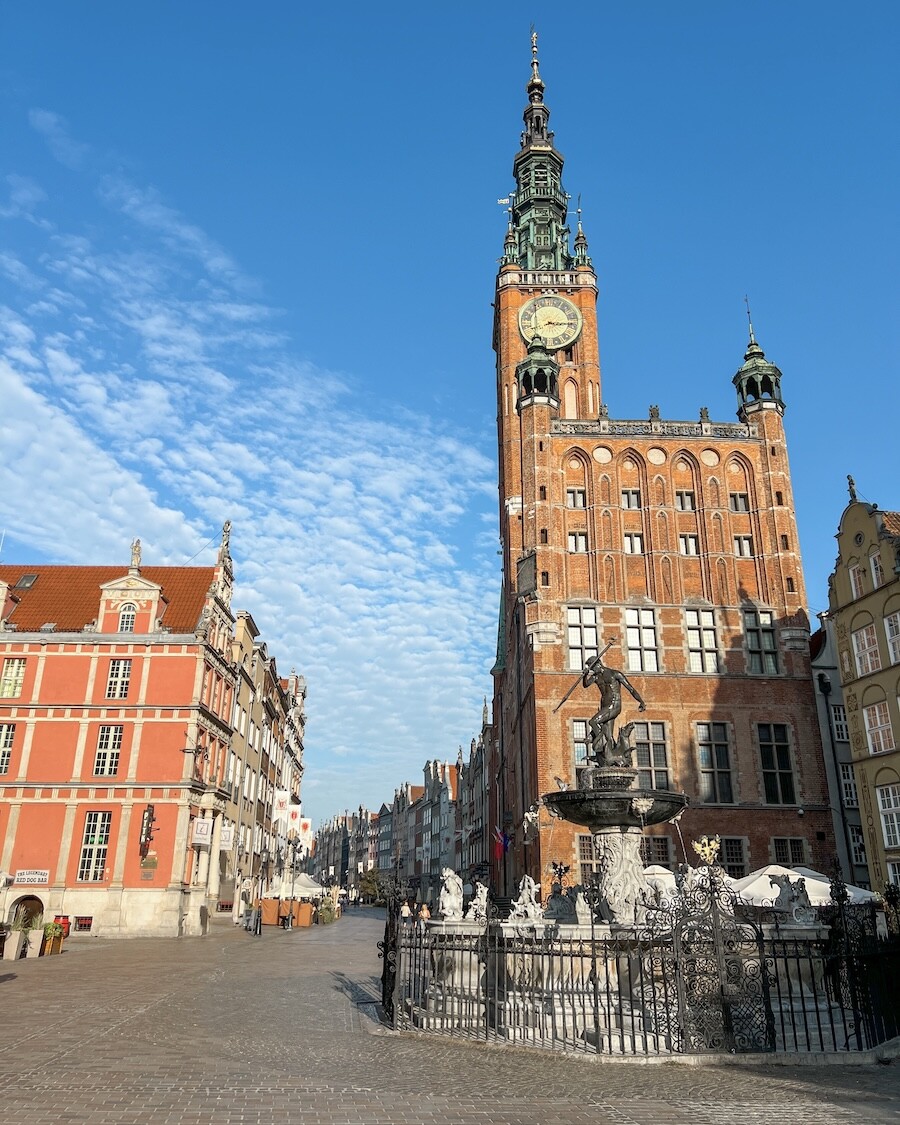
[{"x": 127, "y": 615}]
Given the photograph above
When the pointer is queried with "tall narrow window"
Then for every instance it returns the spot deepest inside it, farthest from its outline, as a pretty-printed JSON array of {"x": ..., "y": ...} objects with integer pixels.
[
  {"x": 631, "y": 498},
  {"x": 118, "y": 680},
  {"x": 762, "y": 649},
  {"x": 588, "y": 860},
  {"x": 734, "y": 856},
  {"x": 739, "y": 501},
  {"x": 578, "y": 542},
  {"x": 865, "y": 648},
  {"x": 581, "y": 746},
  {"x": 688, "y": 545},
  {"x": 684, "y": 501},
  {"x": 857, "y": 845},
  {"x": 775, "y": 759},
  {"x": 656, "y": 850},
  {"x": 650, "y": 755},
  {"x": 634, "y": 543},
  {"x": 94, "y": 846},
  {"x": 889, "y": 807},
  {"x": 878, "y": 728},
  {"x": 575, "y": 498},
  {"x": 848, "y": 787},
  {"x": 7, "y": 734},
  {"x": 856, "y": 581},
  {"x": 877, "y": 570},
  {"x": 127, "y": 615},
  {"x": 13, "y": 677},
  {"x": 892, "y": 633},
  {"x": 715, "y": 763},
  {"x": 109, "y": 749},
  {"x": 743, "y": 546},
  {"x": 789, "y": 850},
  {"x": 581, "y": 623},
  {"x": 703, "y": 654},
  {"x": 839, "y": 718},
  {"x": 785, "y": 543},
  {"x": 640, "y": 634}
]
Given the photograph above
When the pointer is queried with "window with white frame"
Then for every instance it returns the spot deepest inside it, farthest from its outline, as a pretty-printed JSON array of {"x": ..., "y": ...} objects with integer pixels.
[
  {"x": 656, "y": 850},
  {"x": 743, "y": 546},
  {"x": 775, "y": 761},
  {"x": 703, "y": 653},
  {"x": 839, "y": 719},
  {"x": 789, "y": 851},
  {"x": 715, "y": 764},
  {"x": 640, "y": 634},
  {"x": 631, "y": 498},
  {"x": 581, "y": 627},
  {"x": 892, "y": 633},
  {"x": 857, "y": 845},
  {"x": 109, "y": 750},
  {"x": 877, "y": 570},
  {"x": 578, "y": 542},
  {"x": 878, "y": 727},
  {"x": 12, "y": 677},
  {"x": 94, "y": 846},
  {"x": 576, "y": 498},
  {"x": 684, "y": 501},
  {"x": 739, "y": 501},
  {"x": 894, "y": 873},
  {"x": 734, "y": 856},
  {"x": 865, "y": 649},
  {"x": 889, "y": 807},
  {"x": 7, "y": 735},
  {"x": 650, "y": 756},
  {"x": 849, "y": 795},
  {"x": 762, "y": 649},
  {"x": 118, "y": 679},
  {"x": 127, "y": 616},
  {"x": 634, "y": 543},
  {"x": 856, "y": 581},
  {"x": 581, "y": 747},
  {"x": 688, "y": 545}
]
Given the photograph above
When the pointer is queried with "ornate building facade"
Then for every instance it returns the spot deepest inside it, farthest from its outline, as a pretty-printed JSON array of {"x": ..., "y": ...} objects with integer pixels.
[{"x": 672, "y": 543}]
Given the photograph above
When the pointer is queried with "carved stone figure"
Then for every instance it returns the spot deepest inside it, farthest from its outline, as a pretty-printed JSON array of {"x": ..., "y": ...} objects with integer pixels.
[
  {"x": 560, "y": 907},
  {"x": 526, "y": 907},
  {"x": 531, "y": 823},
  {"x": 478, "y": 907},
  {"x": 450, "y": 902},
  {"x": 623, "y": 887},
  {"x": 136, "y": 554},
  {"x": 783, "y": 901}
]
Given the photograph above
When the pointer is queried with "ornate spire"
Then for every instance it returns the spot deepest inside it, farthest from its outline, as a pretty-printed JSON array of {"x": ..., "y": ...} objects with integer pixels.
[
  {"x": 758, "y": 382},
  {"x": 582, "y": 258}
]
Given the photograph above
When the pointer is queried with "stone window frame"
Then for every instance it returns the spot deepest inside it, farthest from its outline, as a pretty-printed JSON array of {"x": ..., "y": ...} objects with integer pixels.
[
  {"x": 651, "y": 754},
  {"x": 580, "y": 741},
  {"x": 698, "y": 635},
  {"x": 779, "y": 776},
  {"x": 879, "y": 731},
  {"x": 94, "y": 847},
  {"x": 892, "y": 635},
  {"x": 633, "y": 543},
  {"x": 118, "y": 678},
  {"x": 584, "y": 619},
  {"x": 865, "y": 649},
  {"x": 577, "y": 542},
  {"x": 761, "y": 639},
  {"x": 739, "y": 502},
  {"x": 889, "y": 810},
  {"x": 857, "y": 845},
  {"x": 576, "y": 498},
  {"x": 839, "y": 722},
  {"x": 876, "y": 569},
  {"x": 685, "y": 500},
  {"x": 715, "y": 737},
  {"x": 735, "y": 856},
  {"x": 109, "y": 749},
  {"x": 7, "y": 737},
  {"x": 857, "y": 587},
  {"x": 743, "y": 546},
  {"x": 789, "y": 851},
  {"x": 640, "y": 627},
  {"x": 658, "y": 851},
  {"x": 631, "y": 499},
  {"x": 127, "y": 617},
  {"x": 688, "y": 544},
  {"x": 849, "y": 792},
  {"x": 12, "y": 677}
]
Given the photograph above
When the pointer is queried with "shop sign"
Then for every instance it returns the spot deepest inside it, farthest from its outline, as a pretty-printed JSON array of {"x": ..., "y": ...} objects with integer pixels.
[{"x": 32, "y": 877}]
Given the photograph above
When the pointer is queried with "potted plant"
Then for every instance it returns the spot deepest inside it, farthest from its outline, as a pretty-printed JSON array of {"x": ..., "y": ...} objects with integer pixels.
[
  {"x": 53, "y": 937},
  {"x": 15, "y": 940},
  {"x": 34, "y": 928}
]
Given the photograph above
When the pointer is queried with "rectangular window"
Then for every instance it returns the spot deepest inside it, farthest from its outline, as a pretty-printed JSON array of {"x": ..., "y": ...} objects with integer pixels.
[
  {"x": 656, "y": 850},
  {"x": 889, "y": 807},
  {"x": 703, "y": 653},
  {"x": 785, "y": 543},
  {"x": 762, "y": 651},
  {"x": 856, "y": 581},
  {"x": 581, "y": 745},
  {"x": 857, "y": 845},
  {"x": 865, "y": 648},
  {"x": 588, "y": 860},
  {"x": 688, "y": 545},
  {"x": 878, "y": 727},
  {"x": 581, "y": 623},
  {"x": 109, "y": 749},
  {"x": 94, "y": 846},
  {"x": 775, "y": 759},
  {"x": 789, "y": 850},
  {"x": 631, "y": 498},
  {"x": 640, "y": 634},
  {"x": 877, "y": 570},
  {"x": 739, "y": 501},
  {"x": 734, "y": 856},
  {"x": 894, "y": 873},
  {"x": 743, "y": 546},
  {"x": 13, "y": 677},
  {"x": 118, "y": 680},
  {"x": 649, "y": 740},
  {"x": 715, "y": 764},
  {"x": 848, "y": 787},
  {"x": 7, "y": 734},
  {"x": 576, "y": 498},
  {"x": 892, "y": 632},
  {"x": 578, "y": 541},
  {"x": 684, "y": 501},
  {"x": 634, "y": 543}
]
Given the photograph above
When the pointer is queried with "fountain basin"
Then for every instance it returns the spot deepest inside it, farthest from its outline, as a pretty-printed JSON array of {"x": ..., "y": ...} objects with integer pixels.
[{"x": 597, "y": 809}]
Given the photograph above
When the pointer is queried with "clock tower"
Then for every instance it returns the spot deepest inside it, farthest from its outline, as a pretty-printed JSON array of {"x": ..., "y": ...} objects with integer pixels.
[{"x": 673, "y": 542}]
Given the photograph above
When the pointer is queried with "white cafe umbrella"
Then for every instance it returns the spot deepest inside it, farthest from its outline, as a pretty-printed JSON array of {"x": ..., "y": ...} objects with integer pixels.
[
  {"x": 757, "y": 888},
  {"x": 857, "y": 894}
]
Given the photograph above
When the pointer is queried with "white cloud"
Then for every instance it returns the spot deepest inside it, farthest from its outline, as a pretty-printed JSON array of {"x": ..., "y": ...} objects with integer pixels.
[{"x": 53, "y": 129}]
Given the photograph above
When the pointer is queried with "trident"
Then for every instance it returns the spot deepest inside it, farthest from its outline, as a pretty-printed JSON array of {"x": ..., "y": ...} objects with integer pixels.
[{"x": 593, "y": 660}]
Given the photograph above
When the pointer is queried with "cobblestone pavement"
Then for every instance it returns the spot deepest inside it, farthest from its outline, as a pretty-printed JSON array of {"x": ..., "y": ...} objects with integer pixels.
[{"x": 237, "y": 1030}]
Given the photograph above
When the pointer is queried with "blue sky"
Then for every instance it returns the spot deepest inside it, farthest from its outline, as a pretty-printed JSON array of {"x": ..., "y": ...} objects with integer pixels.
[{"x": 246, "y": 269}]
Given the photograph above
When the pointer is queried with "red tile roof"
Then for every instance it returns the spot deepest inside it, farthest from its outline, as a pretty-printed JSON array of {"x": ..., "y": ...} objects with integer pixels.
[
  {"x": 70, "y": 595},
  {"x": 891, "y": 522}
]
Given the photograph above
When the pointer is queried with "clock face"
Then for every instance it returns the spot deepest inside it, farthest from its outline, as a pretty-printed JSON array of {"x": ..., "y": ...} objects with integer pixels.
[{"x": 556, "y": 320}]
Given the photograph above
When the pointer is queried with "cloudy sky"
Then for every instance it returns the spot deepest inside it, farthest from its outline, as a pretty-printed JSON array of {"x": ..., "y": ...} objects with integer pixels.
[{"x": 246, "y": 273}]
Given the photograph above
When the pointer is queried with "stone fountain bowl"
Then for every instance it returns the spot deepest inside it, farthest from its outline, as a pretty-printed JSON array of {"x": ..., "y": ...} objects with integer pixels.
[{"x": 597, "y": 809}]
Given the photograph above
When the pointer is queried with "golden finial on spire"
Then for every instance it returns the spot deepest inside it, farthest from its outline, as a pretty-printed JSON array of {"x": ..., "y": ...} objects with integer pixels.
[
  {"x": 534, "y": 53},
  {"x": 749, "y": 319}
]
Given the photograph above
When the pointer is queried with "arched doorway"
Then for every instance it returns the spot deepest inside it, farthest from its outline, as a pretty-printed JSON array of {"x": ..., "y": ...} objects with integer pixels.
[{"x": 26, "y": 908}]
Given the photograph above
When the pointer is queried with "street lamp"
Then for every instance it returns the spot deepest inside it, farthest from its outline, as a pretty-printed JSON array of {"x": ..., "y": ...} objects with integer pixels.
[{"x": 263, "y": 874}]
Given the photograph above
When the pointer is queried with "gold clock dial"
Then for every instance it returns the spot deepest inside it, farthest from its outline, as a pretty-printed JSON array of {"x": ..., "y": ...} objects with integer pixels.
[{"x": 556, "y": 320}]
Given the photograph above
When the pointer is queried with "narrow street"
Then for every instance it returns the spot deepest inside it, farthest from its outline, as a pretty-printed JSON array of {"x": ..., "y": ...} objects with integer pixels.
[{"x": 236, "y": 1029}]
